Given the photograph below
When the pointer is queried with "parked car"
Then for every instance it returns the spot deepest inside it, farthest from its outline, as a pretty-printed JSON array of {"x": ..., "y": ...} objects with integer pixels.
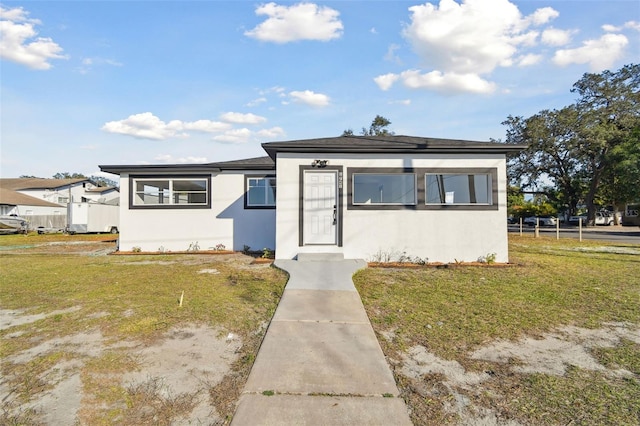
[
  {"x": 543, "y": 221},
  {"x": 575, "y": 220},
  {"x": 603, "y": 218}
]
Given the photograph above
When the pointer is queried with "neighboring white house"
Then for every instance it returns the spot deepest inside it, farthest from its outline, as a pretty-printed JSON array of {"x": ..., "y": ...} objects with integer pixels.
[
  {"x": 437, "y": 199},
  {"x": 37, "y": 212},
  {"x": 61, "y": 191},
  {"x": 44, "y": 202},
  {"x": 15, "y": 203}
]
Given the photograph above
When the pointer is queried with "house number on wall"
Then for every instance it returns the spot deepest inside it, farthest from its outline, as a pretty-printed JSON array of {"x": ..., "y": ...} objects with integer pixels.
[{"x": 340, "y": 180}]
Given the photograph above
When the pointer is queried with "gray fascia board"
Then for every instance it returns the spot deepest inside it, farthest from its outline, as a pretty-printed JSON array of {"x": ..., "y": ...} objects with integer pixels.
[
  {"x": 158, "y": 168},
  {"x": 272, "y": 150}
]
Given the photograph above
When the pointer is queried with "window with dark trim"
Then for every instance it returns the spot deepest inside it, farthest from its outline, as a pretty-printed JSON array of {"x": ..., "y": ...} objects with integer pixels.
[
  {"x": 455, "y": 188},
  {"x": 173, "y": 192},
  {"x": 384, "y": 188},
  {"x": 260, "y": 192}
]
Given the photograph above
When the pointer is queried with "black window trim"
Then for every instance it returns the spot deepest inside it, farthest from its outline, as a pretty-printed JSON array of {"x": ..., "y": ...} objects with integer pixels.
[
  {"x": 132, "y": 191},
  {"x": 247, "y": 206},
  {"x": 382, "y": 171},
  {"x": 421, "y": 173}
]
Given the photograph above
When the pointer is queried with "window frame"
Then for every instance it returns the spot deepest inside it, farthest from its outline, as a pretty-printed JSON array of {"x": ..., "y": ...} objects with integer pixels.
[
  {"x": 491, "y": 194},
  {"x": 133, "y": 179},
  {"x": 351, "y": 171},
  {"x": 249, "y": 206},
  {"x": 420, "y": 173}
]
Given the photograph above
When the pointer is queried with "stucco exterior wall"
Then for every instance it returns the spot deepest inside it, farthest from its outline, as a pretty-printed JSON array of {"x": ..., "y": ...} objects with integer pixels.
[
  {"x": 446, "y": 235},
  {"x": 73, "y": 193},
  {"x": 226, "y": 222}
]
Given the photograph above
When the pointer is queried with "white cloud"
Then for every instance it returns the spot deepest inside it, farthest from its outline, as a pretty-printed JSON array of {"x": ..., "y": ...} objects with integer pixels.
[
  {"x": 385, "y": 81},
  {"x": 148, "y": 126},
  {"x": 556, "y": 37},
  {"x": 634, "y": 25},
  {"x": 310, "y": 98},
  {"x": 88, "y": 64},
  {"x": 272, "y": 133},
  {"x": 611, "y": 28},
  {"x": 239, "y": 118},
  {"x": 206, "y": 126},
  {"x": 391, "y": 53},
  {"x": 461, "y": 42},
  {"x": 447, "y": 82},
  {"x": 145, "y": 126},
  {"x": 600, "y": 54},
  {"x": 629, "y": 24},
  {"x": 474, "y": 36},
  {"x": 274, "y": 89},
  {"x": 235, "y": 136},
  {"x": 302, "y": 21},
  {"x": 543, "y": 15},
  {"x": 16, "y": 31},
  {"x": 170, "y": 159},
  {"x": 529, "y": 59},
  {"x": 256, "y": 102}
]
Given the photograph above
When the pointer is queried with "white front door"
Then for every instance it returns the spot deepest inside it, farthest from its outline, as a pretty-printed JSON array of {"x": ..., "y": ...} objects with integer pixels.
[{"x": 320, "y": 214}]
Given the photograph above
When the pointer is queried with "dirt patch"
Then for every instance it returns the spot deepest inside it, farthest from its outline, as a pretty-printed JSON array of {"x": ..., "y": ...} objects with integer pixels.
[
  {"x": 555, "y": 352},
  {"x": 552, "y": 353},
  {"x": 12, "y": 318},
  {"x": 176, "y": 373}
]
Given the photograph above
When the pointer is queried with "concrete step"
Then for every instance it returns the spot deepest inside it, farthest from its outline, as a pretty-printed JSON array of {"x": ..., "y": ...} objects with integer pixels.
[{"x": 320, "y": 257}]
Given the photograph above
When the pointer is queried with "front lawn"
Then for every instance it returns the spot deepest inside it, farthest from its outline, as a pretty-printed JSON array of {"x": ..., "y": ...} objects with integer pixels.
[
  {"x": 87, "y": 322},
  {"x": 445, "y": 316}
]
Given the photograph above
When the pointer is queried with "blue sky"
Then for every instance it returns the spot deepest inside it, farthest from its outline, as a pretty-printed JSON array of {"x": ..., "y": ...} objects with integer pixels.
[{"x": 85, "y": 83}]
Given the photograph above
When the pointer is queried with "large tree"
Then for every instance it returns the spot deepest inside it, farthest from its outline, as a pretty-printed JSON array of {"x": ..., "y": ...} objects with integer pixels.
[
  {"x": 549, "y": 160},
  {"x": 609, "y": 106},
  {"x": 580, "y": 148}
]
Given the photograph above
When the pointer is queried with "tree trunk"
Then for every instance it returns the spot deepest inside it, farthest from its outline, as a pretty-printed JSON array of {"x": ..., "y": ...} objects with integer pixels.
[{"x": 591, "y": 195}]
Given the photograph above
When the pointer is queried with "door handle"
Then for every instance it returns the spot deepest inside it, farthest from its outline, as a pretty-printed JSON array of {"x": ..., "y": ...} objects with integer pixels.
[{"x": 335, "y": 214}]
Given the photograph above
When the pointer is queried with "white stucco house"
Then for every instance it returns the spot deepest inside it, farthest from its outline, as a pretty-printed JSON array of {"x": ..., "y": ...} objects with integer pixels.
[{"x": 439, "y": 199}]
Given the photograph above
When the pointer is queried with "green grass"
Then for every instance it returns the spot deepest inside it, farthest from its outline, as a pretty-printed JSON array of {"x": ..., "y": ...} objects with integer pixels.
[
  {"x": 452, "y": 311},
  {"x": 126, "y": 298}
]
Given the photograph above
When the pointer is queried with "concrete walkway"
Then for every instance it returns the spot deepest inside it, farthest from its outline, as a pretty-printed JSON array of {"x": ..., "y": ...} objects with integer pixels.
[{"x": 320, "y": 359}]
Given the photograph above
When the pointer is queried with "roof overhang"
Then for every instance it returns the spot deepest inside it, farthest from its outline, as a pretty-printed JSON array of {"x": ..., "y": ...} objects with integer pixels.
[
  {"x": 158, "y": 168},
  {"x": 260, "y": 163},
  {"x": 389, "y": 145}
]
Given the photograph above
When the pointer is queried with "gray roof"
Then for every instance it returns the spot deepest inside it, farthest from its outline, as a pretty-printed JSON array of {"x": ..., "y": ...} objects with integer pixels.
[
  {"x": 341, "y": 144},
  {"x": 258, "y": 163},
  {"x": 10, "y": 197},
  {"x": 37, "y": 183},
  {"x": 388, "y": 144}
]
